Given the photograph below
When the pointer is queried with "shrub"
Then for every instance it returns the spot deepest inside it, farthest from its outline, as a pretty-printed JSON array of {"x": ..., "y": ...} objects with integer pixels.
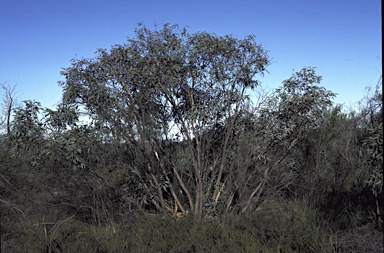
[
  {"x": 290, "y": 226},
  {"x": 146, "y": 234}
]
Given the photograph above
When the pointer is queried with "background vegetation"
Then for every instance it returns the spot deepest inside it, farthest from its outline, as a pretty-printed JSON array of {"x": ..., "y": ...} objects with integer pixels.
[{"x": 169, "y": 144}]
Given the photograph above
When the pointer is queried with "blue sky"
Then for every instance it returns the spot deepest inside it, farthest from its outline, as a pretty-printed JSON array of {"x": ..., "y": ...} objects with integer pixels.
[{"x": 342, "y": 38}]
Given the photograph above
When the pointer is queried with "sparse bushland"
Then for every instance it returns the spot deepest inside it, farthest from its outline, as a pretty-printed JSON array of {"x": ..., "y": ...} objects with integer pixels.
[{"x": 175, "y": 157}]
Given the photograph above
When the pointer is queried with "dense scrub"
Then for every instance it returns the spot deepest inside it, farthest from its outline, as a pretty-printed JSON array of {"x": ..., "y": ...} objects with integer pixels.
[{"x": 176, "y": 157}]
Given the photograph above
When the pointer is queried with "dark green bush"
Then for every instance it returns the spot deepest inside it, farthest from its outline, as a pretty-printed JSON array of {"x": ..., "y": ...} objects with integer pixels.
[
  {"x": 147, "y": 234},
  {"x": 189, "y": 235},
  {"x": 290, "y": 226}
]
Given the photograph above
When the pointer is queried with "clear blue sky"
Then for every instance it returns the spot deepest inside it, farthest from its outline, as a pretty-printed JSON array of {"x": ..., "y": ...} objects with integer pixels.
[{"x": 342, "y": 38}]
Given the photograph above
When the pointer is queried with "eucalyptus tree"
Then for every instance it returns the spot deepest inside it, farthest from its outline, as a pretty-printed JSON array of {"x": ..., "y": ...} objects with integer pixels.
[
  {"x": 169, "y": 86},
  {"x": 295, "y": 108},
  {"x": 26, "y": 128},
  {"x": 8, "y": 104}
]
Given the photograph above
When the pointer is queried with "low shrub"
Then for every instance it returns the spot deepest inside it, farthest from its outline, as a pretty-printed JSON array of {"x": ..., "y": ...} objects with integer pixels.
[
  {"x": 290, "y": 226},
  {"x": 147, "y": 234}
]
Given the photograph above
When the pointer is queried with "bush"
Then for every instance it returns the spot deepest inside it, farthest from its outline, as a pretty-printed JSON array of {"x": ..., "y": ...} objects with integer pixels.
[
  {"x": 147, "y": 234},
  {"x": 290, "y": 226},
  {"x": 189, "y": 235}
]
